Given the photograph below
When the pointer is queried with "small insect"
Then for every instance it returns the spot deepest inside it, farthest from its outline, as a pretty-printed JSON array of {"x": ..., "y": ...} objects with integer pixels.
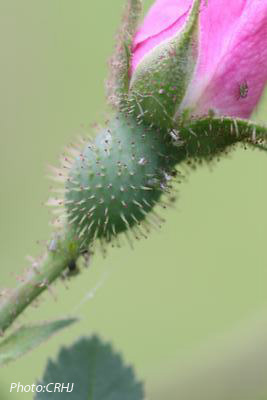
[
  {"x": 243, "y": 90},
  {"x": 86, "y": 256},
  {"x": 72, "y": 268}
]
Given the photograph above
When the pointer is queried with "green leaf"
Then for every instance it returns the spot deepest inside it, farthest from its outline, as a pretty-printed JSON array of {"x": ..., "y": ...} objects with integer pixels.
[
  {"x": 27, "y": 338},
  {"x": 118, "y": 83},
  {"x": 97, "y": 372},
  {"x": 159, "y": 83},
  {"x": 207, "y": 137}
]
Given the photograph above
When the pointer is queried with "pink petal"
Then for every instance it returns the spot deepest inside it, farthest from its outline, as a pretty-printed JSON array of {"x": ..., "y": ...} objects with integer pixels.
[
  {"x": 232, "y": 56},
  {"x": 241, "y": 61},
  {"x": 218, "y": 21},
  {"x": 164, "y": 19}
]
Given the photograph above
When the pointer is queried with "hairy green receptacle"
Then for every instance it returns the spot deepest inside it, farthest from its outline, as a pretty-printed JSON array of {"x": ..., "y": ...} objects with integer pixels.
[{"x": 117, "y": 179}]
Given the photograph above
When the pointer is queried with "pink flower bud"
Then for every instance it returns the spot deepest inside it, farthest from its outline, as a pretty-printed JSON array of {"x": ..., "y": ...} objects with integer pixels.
[{"x": 231, "y": 69}]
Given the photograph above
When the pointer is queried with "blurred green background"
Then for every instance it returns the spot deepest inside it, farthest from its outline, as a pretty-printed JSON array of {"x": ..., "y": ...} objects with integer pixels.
[{"x": 187, "y": 307}]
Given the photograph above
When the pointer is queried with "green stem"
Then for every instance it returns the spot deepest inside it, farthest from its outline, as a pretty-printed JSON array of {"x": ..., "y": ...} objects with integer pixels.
[
  {"x": 202, "y": 138},
  {"x": 57, "y": 259}
]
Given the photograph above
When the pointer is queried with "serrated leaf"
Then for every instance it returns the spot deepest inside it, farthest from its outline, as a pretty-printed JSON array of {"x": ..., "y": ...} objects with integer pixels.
[
  {"x": 160, "y": 81},
  {"x": 97, "y": 372},
  {"x": 206, "y": 137},
  {"x": 27, "y": 338}
]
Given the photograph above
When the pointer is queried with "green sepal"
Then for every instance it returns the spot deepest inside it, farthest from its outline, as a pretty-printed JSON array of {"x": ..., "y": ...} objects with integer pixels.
[
  {"x": 207, "y": 137},
  {"x": 118, "y": 83},
  {"x": 159, "y": 83}
]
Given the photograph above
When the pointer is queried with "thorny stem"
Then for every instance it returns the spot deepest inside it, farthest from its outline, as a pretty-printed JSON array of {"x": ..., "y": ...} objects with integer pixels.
[
  {"x": 204, "y": 139},
  {"x": 58, "y": 258}
]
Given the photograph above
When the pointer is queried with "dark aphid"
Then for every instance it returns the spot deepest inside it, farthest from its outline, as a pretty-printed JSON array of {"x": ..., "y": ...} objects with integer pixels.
[
  {"x": 243, "y": 90},
  {"x": 73, "y": 269},
  {"x": 72, "y": 265}
]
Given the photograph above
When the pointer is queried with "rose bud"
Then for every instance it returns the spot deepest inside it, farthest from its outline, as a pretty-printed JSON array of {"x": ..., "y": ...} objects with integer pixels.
[{"x": 190, "y": 61}]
